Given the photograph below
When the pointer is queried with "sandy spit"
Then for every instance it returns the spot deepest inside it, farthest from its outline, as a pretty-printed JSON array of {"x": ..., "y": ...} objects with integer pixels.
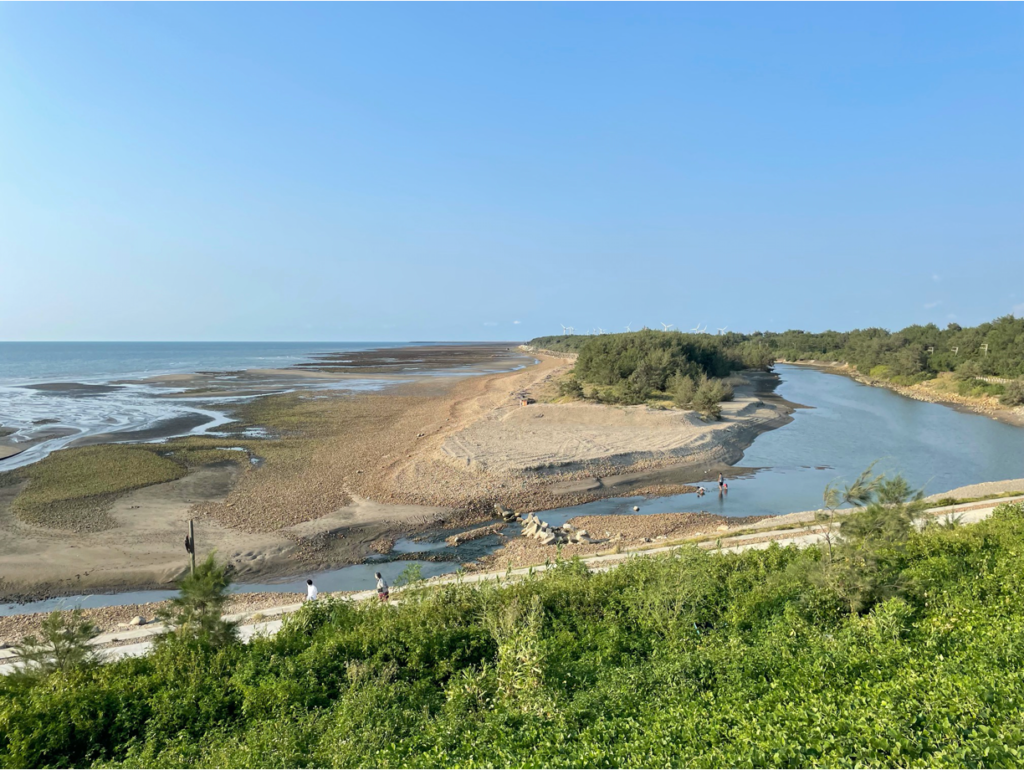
[{"x": 365, "y": 468}]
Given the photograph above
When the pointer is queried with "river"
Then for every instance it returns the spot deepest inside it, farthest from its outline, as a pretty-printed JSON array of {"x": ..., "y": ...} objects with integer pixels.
[{"x": 846, "y": 427}]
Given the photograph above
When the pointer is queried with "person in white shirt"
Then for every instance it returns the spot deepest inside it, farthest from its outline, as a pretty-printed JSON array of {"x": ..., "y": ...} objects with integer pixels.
[
  {"x": 311, "y": 591},
  {"x": 383, "y": 592}
]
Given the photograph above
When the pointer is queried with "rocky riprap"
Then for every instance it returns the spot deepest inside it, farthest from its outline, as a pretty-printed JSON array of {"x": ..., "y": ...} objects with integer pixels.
[{"x": 543, "y": 532}]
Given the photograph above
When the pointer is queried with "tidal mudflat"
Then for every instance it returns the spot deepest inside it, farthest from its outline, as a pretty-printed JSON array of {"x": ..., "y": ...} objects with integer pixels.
[{"x": 318, "y": 477}]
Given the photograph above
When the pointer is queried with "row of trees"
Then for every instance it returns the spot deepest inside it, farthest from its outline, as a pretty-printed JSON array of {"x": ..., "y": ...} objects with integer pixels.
[
  {"x": 991, "y": 349},
  {"x": 635, "y": 367},
  {"x": 640, "y": 364}
]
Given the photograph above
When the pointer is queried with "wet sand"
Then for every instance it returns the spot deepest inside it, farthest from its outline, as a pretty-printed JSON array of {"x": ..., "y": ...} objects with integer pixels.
[
  {"x": 11, "y": 448},
  {"x": 169, "y": 428},
  {"x": 74, "y": 388}
]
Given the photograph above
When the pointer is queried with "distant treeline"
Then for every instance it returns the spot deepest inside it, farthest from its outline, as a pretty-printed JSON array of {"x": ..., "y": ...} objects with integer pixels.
[
  {"x": 906, "y": 357},
  {"x": 914, "y": 350}
]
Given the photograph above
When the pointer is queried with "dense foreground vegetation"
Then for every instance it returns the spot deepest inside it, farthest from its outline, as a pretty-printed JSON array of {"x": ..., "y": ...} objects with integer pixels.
[
  {"x": 909, "y": 356},
  {"x": 891, "y": 649}
]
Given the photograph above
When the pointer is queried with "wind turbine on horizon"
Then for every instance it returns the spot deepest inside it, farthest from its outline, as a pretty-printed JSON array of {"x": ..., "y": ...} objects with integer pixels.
[
  {"x": 722, "y": 329},
  {"x": 627, "y": 327},
  {"x": 667, "y": 326}
]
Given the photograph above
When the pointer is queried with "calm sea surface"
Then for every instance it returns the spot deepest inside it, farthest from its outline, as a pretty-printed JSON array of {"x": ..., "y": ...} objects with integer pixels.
[
  {"x": 23, "y": 363},
  {"x": 69, "y": 416}
]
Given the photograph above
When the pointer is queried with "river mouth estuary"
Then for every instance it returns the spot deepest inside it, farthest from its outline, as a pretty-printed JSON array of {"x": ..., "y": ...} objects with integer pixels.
[{"x": 842, "y": 428}]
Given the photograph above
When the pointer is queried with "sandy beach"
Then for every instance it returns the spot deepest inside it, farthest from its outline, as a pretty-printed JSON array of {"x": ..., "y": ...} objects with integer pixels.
[{"x": 344, "y": 473}]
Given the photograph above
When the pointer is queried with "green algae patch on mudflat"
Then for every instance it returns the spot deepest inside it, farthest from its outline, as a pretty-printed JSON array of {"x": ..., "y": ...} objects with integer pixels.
[
  {"x": 72, "y": 488},
  {"x": 197, "y": 451}
]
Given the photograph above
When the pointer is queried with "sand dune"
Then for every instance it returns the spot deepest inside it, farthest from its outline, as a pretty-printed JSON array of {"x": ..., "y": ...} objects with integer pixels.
[{"x": 578, "y": 435}]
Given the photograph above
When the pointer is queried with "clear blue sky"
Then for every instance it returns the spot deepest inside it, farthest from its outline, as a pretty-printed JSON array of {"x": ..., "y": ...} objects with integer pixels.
[{"x": 390, "y": 172}]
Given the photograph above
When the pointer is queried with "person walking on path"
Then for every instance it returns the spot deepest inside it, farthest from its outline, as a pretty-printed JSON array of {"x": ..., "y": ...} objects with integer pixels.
[
  {"x": 383, "y": 592},
  {"x": 311, "y": 591}
]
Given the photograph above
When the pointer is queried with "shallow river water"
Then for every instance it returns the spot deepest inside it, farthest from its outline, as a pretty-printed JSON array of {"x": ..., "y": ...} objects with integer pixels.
[{"x": 847, "y": 427}]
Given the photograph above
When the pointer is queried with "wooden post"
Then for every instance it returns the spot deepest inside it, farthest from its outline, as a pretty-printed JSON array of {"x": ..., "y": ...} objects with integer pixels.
[{"x": 192, "y": 552}]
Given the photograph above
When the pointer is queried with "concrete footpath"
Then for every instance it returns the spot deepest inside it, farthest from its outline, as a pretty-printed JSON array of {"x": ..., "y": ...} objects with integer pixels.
[{"x": 139, "y": 641}]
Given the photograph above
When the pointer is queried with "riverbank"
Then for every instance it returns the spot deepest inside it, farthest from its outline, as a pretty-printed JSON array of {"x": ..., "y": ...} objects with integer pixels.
[
  {"x": 623, "y": 537},
  {"x": 342, "y": 474},
  {"x": 936, "y": 391}
]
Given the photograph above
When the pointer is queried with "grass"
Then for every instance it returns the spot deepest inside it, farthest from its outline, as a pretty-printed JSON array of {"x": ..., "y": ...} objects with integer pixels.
[
  {"x": 969, "y": 388},
  {"x": 74, "y": 488}
]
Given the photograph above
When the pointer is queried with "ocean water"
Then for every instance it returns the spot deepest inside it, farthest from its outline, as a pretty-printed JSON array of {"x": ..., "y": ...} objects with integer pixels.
[
  {"x": 23, "y": 363},
  {"x": 67, "y": 416}
]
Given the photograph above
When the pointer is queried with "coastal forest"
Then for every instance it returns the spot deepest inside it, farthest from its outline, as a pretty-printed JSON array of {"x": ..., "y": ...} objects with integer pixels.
[
  {"x": 892, "y": 647},
  {"x": 638, "y": 367},
  {"x": 984, "y": 360}
]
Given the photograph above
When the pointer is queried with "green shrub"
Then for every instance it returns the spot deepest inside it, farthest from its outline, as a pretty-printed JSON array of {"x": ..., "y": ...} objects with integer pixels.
[
  {"x": 63, "y": 645},
  {"x": 682, "y": 388},
  {"x": 969, "y": 370},
  {"x": 1013, "y": 394},
  {"x": 880, "y": 372},
  {"x": 570, "y": 387},
  {"x": 977, "y": 388},
  {"x": 197, "y": 611}
]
